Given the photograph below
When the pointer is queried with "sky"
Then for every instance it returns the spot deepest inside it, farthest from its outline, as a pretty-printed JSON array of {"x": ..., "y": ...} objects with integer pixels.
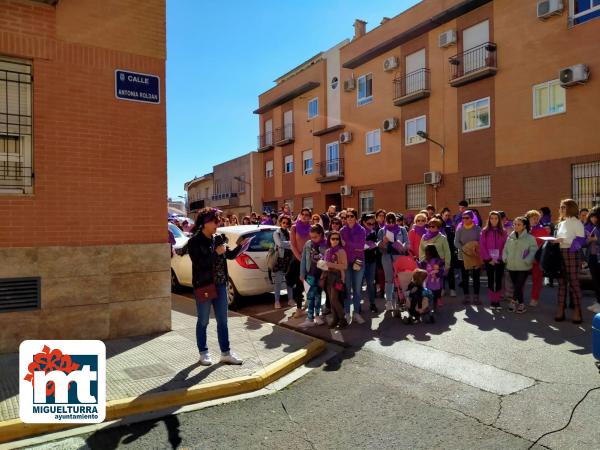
[{"x": 222, "y": 55}]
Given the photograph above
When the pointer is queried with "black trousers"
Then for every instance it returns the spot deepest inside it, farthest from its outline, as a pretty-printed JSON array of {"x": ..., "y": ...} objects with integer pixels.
[
  {"x": 475, "y": 274},
  {"x": 518, "y": 278},
  {"x": 594, "y": 266},
  {"x": 495, "y": 274},
  {"x": 292, "y": 277}
]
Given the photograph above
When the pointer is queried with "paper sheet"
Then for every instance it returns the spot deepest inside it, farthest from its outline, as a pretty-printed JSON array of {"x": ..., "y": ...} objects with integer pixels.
[{"x": 390, "y": 236}]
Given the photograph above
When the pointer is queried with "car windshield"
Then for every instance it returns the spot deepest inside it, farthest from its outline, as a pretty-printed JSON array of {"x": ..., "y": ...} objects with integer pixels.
[
  {"x": 262, "y": 240},
  {"x": 176, "y": 231}
]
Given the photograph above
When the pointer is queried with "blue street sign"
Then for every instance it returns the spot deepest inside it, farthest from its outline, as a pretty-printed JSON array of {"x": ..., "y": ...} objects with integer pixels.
[{"x": 137, "y": 87}]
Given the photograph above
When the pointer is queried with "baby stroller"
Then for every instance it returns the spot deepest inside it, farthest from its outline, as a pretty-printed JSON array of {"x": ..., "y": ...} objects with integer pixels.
[{"x": 404, "y": 267}]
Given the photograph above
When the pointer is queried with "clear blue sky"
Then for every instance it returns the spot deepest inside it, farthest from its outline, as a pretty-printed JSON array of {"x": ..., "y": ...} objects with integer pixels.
[{"x": 222, "y": 55}]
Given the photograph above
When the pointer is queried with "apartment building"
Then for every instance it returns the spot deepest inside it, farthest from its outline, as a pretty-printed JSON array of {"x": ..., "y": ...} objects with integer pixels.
[
  {"x": 199, "y": 193},
  {"x": 487, "y": 100},
  {"x": 82, "y": 138}
]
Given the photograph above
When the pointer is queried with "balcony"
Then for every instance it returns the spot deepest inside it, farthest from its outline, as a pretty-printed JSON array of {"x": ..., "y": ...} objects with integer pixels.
[
  {"x": 284, "y": 135},
  {"x": 330, "y": 170},
  {"x": 474, "y": 64},
  {"x": 225, "y": 199},
  {"x": 411, "y": 87},
  {"x": 196, "y": 205},
  {"x": 265, "y": 142}
]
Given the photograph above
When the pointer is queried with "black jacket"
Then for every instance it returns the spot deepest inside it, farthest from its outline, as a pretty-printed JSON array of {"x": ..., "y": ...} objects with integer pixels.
[{"x": 203, "y": 256}]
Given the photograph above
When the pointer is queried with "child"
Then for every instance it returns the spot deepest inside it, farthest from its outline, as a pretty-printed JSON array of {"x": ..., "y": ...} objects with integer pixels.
[
  {"x": 420, "y": 298},
  {"x": 434, "y": 265},
  {"x": 312, "y": 253},
  {"x": 337, "y": 263}
]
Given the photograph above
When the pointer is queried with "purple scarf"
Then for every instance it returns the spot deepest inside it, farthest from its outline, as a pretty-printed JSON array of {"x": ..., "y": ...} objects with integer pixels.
[
  {"x": 420, "y": 229},
  {"x": 393, "y": 228},
  {"x": 430, "y": 235},
  {"x": 303, "y": 229},
  {"x": 330, "y": 255}
]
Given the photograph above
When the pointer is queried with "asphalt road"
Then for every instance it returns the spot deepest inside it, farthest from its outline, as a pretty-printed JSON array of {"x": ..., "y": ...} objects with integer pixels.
[{"x": 473, "y": 380}]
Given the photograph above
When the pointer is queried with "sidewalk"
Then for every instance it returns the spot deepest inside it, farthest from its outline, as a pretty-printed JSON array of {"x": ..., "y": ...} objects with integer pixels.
[{"x": 150, "y": 373}]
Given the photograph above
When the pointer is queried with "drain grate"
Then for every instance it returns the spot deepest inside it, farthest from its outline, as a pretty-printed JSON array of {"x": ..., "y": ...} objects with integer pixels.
[{"x": 19, "y": 294}]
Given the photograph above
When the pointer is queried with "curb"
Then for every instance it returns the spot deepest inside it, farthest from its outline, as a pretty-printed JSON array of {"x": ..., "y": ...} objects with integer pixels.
[{"x": 15, "y": 429}]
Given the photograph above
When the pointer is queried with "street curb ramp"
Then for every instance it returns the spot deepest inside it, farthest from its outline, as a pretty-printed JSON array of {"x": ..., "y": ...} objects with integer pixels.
[{"x": 15, "y": 429}]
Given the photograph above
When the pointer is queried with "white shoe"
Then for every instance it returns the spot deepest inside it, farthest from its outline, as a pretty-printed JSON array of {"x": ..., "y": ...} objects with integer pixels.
[
  {"x": 388, "y": 306},
  {"x": 319, "y": 320},
  {"x": 452, "y": 293},
  {"x": 533, "y": 303},
  {"x": 205, "y": 359},
  {"x": 356, "y": 317},
  {"x": 277, "y": 305},
  {"x": 308, "y": 323},
  {"x": 594, "y": 308},
  {"x": 231, "y": 358}
]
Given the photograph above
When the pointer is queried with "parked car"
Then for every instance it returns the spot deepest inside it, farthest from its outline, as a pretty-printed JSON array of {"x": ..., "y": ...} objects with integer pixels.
[
  {"x": 248, "y": 273},
  {"x": 180, "y": 237}
]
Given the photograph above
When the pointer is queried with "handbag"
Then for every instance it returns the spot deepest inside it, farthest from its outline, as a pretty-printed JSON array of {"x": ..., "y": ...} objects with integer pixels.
[
  {"x": 206, "y": 293},
  {"x": 339, "y": 286}
]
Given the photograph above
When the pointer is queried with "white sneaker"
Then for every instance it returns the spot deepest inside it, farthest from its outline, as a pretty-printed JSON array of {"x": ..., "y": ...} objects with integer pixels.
[
  {"x": 308, "y": 323},
  {"x": 388, "y": 306},
  {"x": 533, "y": 303},
  {"x": 452, "y": 293},
  {"x": 231, "y": 358},
  {"x": 356, "y": 317},
  {"x": 277, "y": 305},
  {"x": 205, "y": 359},
  {"x": 594, "y": 308},
  {"x": 319, "y": 320}
]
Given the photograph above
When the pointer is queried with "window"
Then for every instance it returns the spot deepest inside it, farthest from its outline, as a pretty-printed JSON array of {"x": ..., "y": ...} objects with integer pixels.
[
  {"x": 269, "y": 169},
  {"x": 16, "y": 168},
  {"x": 241, "y": 184},
  {"x": 307, "y": 162},
  {"x": 365, "y": 89},
  {"x": 373, "y": 141},
  {"x": 269, "y": 132},
  {"x": 288, "y": 164},
  {"x": 411, "y": 127},
  {"x": 476, "y": 115},
  {"x": 548, "y": 99},
  {"x": 367, "y": 202},
  {"x": 307, "y": 202},
  {"x": 313, "y": 108},
  {"x": 332, "y": 154},
  {"x": 290, "y": 203},
  {"x": 586, "y": 184},
  {"x": 581, "y": 11},
  {"x": 478, "y": 191},
  {"x": 416, "y": 196}
]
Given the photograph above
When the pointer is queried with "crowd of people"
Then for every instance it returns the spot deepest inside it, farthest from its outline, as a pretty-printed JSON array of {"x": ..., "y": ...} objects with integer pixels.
[{"x": 414, "y": 262}]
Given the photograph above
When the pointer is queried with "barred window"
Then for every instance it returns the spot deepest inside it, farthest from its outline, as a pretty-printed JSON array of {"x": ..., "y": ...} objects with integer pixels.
[
  {"x": 307, "y": 202},
  {"x": 416, "y": 196},
  {"x": 16, "y": 169},
  {"x": 478, "y": 190},
  {"x": 586, "y": 184},
  {"x": 367, "y": 202}
]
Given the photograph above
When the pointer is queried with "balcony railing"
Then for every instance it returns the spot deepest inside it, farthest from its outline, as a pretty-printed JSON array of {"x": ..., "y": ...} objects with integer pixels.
[
  {"x": 265, "y": 142},
  {"x": 330, "y": 170},
  {"x": 411, "y": 87},
  {"x": 284, "y": 135},
  {"x": 224, "y": 195},
  {"x": 473, "y": 64}
]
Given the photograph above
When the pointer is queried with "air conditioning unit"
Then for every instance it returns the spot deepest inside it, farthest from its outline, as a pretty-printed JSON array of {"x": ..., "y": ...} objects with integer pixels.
[
  {"x": 547, "y": 8},
  {"x": 447, "y": 38},
  {"x": 345, "y": 137},
  {"x": 390, "y": 124},
  {"x": 432, "y": 177},
  {"x": 349, "y": 84},
  {"x": 346, "y": 190},
  {"x": 390, "y": 63},
  {"x": 577, "y": 74}
]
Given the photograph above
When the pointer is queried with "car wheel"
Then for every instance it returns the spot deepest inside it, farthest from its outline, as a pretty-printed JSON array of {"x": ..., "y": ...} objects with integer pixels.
[
  {"x": 175, "y": 286},
  {"x": 233, "y": 297}
]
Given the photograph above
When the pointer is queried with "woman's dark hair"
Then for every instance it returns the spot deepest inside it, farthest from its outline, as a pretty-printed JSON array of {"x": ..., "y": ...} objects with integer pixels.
[
  {"x": 594, "y": 212},
  {"x": 246, "y": 218},
  {"x": 205, "y": 215},
  {"x": 353, "y": 212},
  {"x": 435, "y": 221},
  {"x": 571, "y": 208},
  {"x": 335, "y": 220},
  {"x": 439, "y": 217},
  {"x": 463, "y": 203},
  {"x": 446, "y": 209},
  {"x": 317, "y": 228},
  {"x": 488, "y": 227},
  {"x": 366, "y": 217},
  {"x": 390, "y": 217},
  {"x": 430, "y": 208},
  {"x": 307, "y": 210},
  {"x": 285, "y": 217},
  {"x": 545, "y": 211},
  {"x": 524, "y": 221},
  {"x": 431, "y": 252},
  {"x": 380, "y": 211},
  {"x": 331, "y": 233}
]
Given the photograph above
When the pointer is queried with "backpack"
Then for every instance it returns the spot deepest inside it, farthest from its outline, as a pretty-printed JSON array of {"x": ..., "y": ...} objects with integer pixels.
[
  {"x": 550, "y": 259},
  {"x": 272, "y": 257}
]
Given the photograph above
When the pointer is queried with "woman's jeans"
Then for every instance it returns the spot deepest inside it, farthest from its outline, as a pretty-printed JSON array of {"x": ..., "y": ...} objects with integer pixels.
[
  {"x": 353, "y": 288},
  {"x": 370, "y": 272},
  {"x": 388, "y": 268},
  {"x": 220, "y": 307},
  {"x": 279, "y": 281}
]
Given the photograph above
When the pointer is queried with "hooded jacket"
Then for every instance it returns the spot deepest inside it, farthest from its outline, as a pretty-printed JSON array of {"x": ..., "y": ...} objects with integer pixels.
[{"x": 519, "y": 251}]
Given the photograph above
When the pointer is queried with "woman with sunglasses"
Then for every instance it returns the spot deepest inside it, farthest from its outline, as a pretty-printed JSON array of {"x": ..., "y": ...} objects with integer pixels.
[
  {"x": 337, "y": 263},
  {"x": 209, "y": 253},
  {"x": 353, "y": 240},
  {"x": 491, "y": 247},
  {"x": 299, "y": 235},
  {"x": 369, "y": 224},
  {"x": 392, "y": 241},
  {"x": 416, "y": 232},
  {"x": 281, "y": 237},
  {"x": 466, "y": 240}
]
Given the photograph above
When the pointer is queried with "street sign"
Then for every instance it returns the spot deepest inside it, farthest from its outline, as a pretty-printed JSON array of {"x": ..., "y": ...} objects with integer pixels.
[{"x": 137, "y": 87}]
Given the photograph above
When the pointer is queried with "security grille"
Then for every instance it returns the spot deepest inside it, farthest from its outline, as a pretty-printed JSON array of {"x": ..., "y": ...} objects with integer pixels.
[
  {"x": 416, "y": 196},
  {"x": 19, "y": 294},
  {"x": 16, "y": 172},
  {"x": 586, "y": 184},
  {"x": 478, "y": 190}
]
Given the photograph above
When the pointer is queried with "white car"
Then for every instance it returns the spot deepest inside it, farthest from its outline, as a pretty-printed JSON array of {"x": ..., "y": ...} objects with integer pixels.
[{"x": 248, "y": 273}]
